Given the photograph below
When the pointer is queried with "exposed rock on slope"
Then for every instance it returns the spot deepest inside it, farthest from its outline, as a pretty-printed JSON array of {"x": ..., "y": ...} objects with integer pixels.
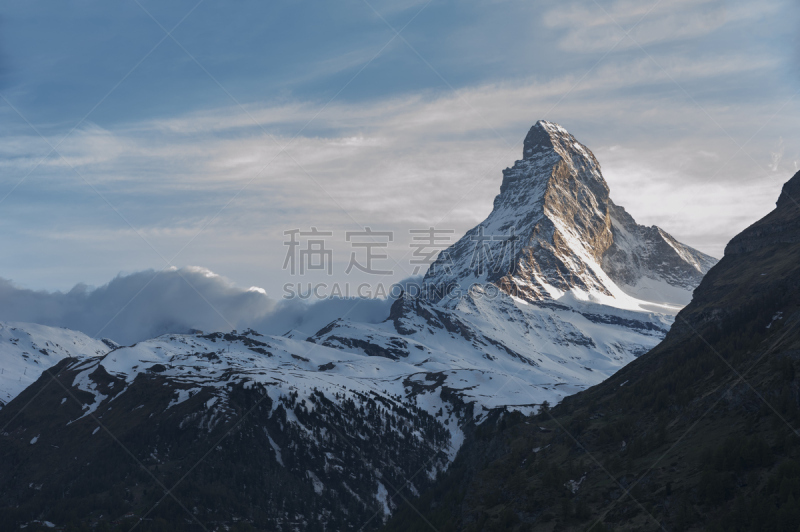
[
  {"x": 649, "y": 264},
  {"x": 781, "y": 226}
]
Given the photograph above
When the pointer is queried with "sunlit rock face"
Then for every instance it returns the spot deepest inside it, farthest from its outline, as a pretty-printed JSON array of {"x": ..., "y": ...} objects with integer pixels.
[{"x": 554, "y": 228}]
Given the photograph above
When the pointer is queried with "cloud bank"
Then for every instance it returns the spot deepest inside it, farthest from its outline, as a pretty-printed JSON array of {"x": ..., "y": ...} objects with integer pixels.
[{"x": 145, "y": 304}]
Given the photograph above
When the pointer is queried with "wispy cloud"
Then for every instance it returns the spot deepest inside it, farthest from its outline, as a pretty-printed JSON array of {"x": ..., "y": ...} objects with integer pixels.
[{"x": 596, "y": 26}]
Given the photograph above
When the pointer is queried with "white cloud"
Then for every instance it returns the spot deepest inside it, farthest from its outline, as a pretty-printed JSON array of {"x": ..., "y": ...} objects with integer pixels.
[{"x": 146, "y": 304}]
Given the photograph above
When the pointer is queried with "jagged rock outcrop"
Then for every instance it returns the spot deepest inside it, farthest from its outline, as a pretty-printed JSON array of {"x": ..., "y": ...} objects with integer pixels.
[
  {"x": 649, "y": 264},
  {"x": 781, "y": 226}
]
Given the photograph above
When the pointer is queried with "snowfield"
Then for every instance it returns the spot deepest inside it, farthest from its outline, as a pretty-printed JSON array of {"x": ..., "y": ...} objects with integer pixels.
[{"x": 27, "y": 349}]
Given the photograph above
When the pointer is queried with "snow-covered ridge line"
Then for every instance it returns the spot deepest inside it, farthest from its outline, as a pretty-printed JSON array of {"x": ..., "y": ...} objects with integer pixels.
[{"x": 28, "y": 349}]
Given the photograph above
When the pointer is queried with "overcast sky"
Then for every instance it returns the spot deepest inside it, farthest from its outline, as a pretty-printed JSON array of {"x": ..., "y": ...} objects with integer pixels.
[{"x": 143, "y": 135}]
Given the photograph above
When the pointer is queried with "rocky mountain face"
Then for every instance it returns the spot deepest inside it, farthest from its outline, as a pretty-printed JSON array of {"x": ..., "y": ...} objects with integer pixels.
[
  {"x": 333, "y": 431},
  {"x": 554, "y": 229},
  {"x": 698, "y": 434}
]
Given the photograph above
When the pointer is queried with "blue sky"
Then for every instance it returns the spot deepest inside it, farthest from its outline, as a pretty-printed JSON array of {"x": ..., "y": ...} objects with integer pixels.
[{"x": 202, "y": 147}]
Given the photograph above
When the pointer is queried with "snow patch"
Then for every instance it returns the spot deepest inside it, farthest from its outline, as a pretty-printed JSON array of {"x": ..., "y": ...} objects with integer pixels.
[
  {"x": 318, "y": 485},
  {"x": 183, "y": 395},
  {"x": 382, "y": 496},
  {"x": 275, "y": 448}
]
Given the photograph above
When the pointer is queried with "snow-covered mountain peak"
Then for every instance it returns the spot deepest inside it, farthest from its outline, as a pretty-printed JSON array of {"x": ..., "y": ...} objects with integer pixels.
[
  {"x": 544, "y": 137},
  {"x": 546, "y": 145},
  {"x": 554, "y": 230}
]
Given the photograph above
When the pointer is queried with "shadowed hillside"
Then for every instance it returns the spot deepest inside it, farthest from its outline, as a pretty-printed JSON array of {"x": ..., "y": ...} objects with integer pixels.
[{"x": 699, "y": 433}]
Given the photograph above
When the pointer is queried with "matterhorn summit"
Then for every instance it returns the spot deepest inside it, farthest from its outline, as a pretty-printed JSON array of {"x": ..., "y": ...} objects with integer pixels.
[
  {"x": 554, "y": 230},
  {"x": 558, "y": 287}
]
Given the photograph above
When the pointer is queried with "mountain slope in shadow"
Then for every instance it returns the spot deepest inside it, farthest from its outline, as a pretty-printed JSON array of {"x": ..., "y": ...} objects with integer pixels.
[{"x": 698, "y": 434}]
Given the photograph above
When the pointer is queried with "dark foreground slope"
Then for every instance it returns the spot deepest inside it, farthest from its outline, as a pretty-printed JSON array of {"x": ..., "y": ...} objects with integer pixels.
[
  {"x": 233, "y": 458},
  {"x": 700, "y": 433}
]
